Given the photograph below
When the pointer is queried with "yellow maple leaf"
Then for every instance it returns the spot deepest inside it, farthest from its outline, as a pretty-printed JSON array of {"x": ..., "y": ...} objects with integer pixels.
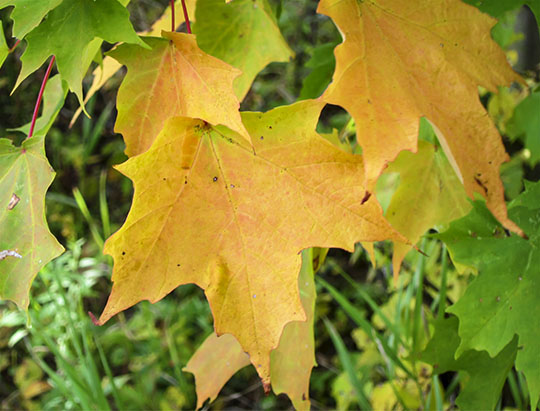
[
  {"x": 174, "y": 78},
  {"x": 402, "y": 60},
  {"x": 213, "y": 210},
  {"x": 214, "y": 363}
]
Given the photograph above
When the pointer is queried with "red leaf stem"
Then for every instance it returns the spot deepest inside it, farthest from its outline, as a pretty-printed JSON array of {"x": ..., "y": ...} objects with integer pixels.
[
  {"x": 173, "y": 24},
  {"x": 186, "y": 17},
  {"x": 14, "y": 46},
  {"x": 40, "y": 96}
]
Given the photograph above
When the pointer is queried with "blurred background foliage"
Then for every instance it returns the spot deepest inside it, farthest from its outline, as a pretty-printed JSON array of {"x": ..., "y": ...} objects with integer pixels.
[{"x": 368, "y": 330}]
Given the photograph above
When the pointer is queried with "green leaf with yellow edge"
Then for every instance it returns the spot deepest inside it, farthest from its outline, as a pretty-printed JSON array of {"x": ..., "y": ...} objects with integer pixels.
[
  {"x": 27, "y": 14},
  {"x": 244, "y": 34},
  {"x": 26, "y": 243},
  {"x": 502, "y": 301},
  {"x": 214, "y": 363},
  {"x": 218, "y": 358},
  {"x": 80, "y": 21},
  {"x": 429, "y": 190},
  {"x": 403, "y": 60},
  {"x": 183, "y": 80},
  {"x": 209, "y": 208},
  {"x": 487, "y": 375}
]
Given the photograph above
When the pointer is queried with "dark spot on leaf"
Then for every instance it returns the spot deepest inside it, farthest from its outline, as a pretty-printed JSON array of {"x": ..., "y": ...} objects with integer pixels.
[
  {"x": 510, "y": 307},
  {"x": 14, "y": 200},
  {"x": 214, "y": 179},
  {"x": 270, "y": 127},
  {"x": 232, "y": 185},
  {"x": 178, "y": 265},
  {"x": 304, "y": 397},
  {"x": 123, "y": 253},
  {"x": 474, "y": 235},
  {"x": 442, "y": 45},
  {"x": 367, "y": 195},
  {"x": 315, "y": 263},
  {"x": 481, "y": 184},
  {"x": 164, "y": 179},
  {"x": 262, "y": 137}
]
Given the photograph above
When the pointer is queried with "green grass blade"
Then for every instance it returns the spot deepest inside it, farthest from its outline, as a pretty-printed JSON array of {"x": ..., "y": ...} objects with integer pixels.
[
  {"x": 357, "y": 316},
  {"x": 372, "y": 304},
  {"x": 103, "y": 205},
  {"x": 347, "y": 364},
  {"x": 88, "y": 217},
  {"x": 444, "y": 273}
]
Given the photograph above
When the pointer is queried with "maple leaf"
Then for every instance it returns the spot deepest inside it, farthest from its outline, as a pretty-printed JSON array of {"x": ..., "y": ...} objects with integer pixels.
[
  {"x": 497, "y": 8},
  {"x": 502, "y": 301},
  {"x": 109, "y": 66},
  {"x": 80, "y": 21},
  {"x": 214, "y": 363},
  {"x": 487, "y": 375},
  {"x": 525, "y": 123},
  {"x": 428, "y": 189},
  {"x": 292, "y": 361},
  {"x": 209, "y": 209},
  {"x": 4, "y": 49},
  {"x": 219, "y": 358},
  {"x": 26, "y": 243},
  {"x": 27, "y": 14},
  {"x": 53, "y": 101},
  {"x": 182, "y": 80},
  {"x": 403, "y": 60},
  {"x": 233, "y": 32}
]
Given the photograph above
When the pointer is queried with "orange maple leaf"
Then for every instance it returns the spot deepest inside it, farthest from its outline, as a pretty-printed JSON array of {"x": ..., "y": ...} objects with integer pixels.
[
  {"x": 213, "y": 210},
  {"x": 402, "y": 60},
  {"x": 174, "y": 78}
]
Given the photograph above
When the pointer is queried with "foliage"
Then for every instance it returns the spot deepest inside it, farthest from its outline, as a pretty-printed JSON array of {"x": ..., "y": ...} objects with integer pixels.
[{"x": 228, "y": 199}]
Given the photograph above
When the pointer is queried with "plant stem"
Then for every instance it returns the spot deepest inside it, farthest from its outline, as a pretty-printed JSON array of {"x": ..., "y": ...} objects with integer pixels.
[
  {"x": 40, "y": 96},
  {"x": 186, "y": 17},
  {"x": 173, "y": 24},
  {"x": 12, "y": 49}
]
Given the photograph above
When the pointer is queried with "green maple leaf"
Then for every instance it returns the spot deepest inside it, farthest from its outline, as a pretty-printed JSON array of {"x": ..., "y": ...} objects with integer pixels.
[
  {"x": 503, "y": 300},
  {"x": 28, "y": 14},
  {"x": 68, "y": 31},
  {"x": 486, "y": 375},
  {"x": 53, "y": 101},
  {"x": 26, "y": 243},
  {"x": 4, "y": 49},
  {"x": 233, "y": 32},
  {"x": 526, "y": 124},
  {"x": 496, "y": 8}
]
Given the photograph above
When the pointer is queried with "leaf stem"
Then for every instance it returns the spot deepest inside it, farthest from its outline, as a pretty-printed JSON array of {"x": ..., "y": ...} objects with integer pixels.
[
  {"x": 173, "y": 24},
  {"x": 186, "y": 17},
  {"x": 12, "y": 49},
  {"x": 40, "y": 96}
]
